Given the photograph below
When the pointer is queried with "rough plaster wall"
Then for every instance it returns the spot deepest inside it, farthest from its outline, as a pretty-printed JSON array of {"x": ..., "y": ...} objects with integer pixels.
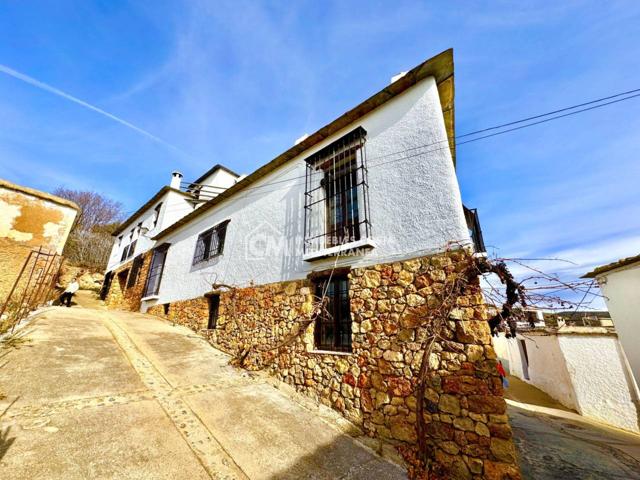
[
  {"x": 415, "y": 206},
  {"x": 27, "y": 222},
  {"x": 600, "y": 384},
  {"x": 34, "y": 221},
  {"x": 622, "y": 295}
]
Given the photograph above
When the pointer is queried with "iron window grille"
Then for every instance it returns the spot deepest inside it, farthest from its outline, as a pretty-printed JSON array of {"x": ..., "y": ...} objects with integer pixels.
[
  {"x": 333, "y": 324},
  {"x": 336, "y": 206},
  {"x": 156, "y": 269},
  {"x": 135, "y": 271},
  {"x": 210, "y": 243}
]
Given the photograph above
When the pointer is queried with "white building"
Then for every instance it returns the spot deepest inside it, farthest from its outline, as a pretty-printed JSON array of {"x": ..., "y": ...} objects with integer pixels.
[
  {"x": 376, "y": 185},
  {"x": 620, "y": 285},
  {"x": 134, "y": 237}
]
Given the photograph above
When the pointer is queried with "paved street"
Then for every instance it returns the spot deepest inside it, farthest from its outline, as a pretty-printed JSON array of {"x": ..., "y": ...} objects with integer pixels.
[
  {"x": 98, "y": 394},
  {"x": 112, "y": 395}
]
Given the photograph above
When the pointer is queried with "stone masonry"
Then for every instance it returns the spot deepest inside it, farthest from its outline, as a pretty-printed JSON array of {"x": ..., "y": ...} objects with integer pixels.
[
  {"x": 123, "y": 298},
  {"x": 467, "y": 429}
]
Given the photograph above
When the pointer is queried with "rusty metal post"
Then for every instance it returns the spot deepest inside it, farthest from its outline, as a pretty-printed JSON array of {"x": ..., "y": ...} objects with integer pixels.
[
  {"x": 26, "y": 288},
  {"x": 41, "y": 288},
  {"x": 25, "y": 308},
  {"x": 53, "y": 279},
  {"x": 15, "y": 284}
]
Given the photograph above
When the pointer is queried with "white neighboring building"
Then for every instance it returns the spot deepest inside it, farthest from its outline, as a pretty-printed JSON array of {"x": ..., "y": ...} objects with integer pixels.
[
  {"x": 584, "y": 368},
  {"x": 620, "y": 284}
]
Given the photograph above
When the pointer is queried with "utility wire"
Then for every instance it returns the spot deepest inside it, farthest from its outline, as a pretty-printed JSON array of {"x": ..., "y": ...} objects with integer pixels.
[
  {"x": 549, "y": 113},
  {"x": 418, "y": 147}
]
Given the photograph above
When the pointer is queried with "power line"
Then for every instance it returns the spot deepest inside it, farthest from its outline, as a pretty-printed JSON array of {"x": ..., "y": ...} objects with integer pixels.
[
  {"x": 418, "y": 147},
  {"x": 549, "y": 113}
]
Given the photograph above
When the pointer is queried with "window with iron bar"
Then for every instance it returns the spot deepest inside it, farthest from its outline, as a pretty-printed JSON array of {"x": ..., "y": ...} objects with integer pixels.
[
  {"x": 333, "y": 324},
  {"x": 156, "y": 269},
  {"x": 210, "y": 243},
  {"x": 336, "y": 194}
]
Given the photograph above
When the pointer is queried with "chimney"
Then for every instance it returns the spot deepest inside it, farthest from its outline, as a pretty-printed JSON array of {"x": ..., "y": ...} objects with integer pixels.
[
  {"x": 176, "y": 178},
  {"x": 397, "y": 77}
]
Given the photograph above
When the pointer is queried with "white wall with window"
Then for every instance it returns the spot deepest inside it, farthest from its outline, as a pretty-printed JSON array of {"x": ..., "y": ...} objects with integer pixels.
[
  {"x": 414, "y": 206},
  {"x": 136, "y": 237}
]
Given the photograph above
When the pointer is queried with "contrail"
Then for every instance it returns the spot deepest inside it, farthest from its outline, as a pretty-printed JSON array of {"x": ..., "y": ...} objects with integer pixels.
[{"x": 60, "y": 93}]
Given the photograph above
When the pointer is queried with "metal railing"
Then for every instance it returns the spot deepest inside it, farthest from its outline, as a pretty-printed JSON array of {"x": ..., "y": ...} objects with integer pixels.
[
  {"x": 199, "y": 192},
  {"x": 33, "y": 287}
]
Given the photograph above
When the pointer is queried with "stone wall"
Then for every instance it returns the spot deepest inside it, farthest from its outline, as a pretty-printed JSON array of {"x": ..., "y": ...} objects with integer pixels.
[
  {"x": 467, "y": 429},
  {"x": 123, "y": 298},
  {"x": 29, "y": 219}
]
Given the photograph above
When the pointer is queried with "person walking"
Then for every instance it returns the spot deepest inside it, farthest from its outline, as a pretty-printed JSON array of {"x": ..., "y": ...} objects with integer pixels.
[{"x": 71, "y": 289}]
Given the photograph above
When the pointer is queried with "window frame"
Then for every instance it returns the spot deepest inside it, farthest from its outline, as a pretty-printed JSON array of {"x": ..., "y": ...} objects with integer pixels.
[
  {"x": 203, "y": 251},
  {"x": 336, "y": 204},
  {"x": 134, "y": 274},
  {"x": 152, "y": 274},
  {"x": 214, "y": 311},
  {"x": 156, "y": 218},
  {"x": 335, "y": 316}
]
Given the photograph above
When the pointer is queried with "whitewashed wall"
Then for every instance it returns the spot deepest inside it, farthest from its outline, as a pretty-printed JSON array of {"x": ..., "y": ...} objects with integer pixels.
[
  {"x": 174, "y": 207},
  {"x": 583, "y": 371},
  {"x": 415, "y": 206},
  {"x": 621, "y": 289}
]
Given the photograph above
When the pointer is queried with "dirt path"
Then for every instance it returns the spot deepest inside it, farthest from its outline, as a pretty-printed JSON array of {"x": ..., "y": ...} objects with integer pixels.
[{"x": 98, "y": 394}]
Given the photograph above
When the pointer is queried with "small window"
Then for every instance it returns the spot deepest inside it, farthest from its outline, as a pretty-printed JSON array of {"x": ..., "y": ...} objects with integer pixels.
[
  {"x": 333, "y": 325},
  {"x": 125, "y": 253},
  {"x": 135, "y": 271},
  {"x": 132, "y": 249},
  {"x": 210, "y": 243},
  {"x": 166, "y": 307},
  {"x": 155, "y": 271},
  {"x": 120, "y": 240},
  {"x": 156, "y": 214},
  {"x": 214, "y": 308}
]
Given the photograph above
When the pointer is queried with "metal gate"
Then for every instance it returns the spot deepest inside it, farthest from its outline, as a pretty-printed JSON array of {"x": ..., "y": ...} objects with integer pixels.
[{"x": 34, "y": 287}]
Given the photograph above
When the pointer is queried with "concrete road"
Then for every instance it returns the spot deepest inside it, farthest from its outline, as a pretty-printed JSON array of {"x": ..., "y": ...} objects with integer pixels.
[{"x": 96, "y": 394}]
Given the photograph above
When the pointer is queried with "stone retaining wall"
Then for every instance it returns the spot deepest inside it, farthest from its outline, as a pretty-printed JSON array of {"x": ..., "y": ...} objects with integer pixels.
[
  {"x": 468, "y": 433},
  {"x": 122, "y": 298}
]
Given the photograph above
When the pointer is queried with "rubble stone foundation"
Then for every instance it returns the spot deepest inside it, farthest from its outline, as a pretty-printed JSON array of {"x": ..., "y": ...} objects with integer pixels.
[
  {"x": 122, "y": 298},
  {"x": 467, "y": 427}
]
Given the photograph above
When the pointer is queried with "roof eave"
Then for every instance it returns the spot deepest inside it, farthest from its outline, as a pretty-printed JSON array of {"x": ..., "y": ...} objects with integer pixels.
[
  {"x": 440, "y": 67},
  {"x": 160, "y": 193},
  {"x": 623, "y": 262}
]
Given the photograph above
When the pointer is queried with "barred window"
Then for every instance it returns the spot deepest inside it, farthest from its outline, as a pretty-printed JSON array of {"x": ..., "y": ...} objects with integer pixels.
[
  {"x": 336, "y": 194},
  {"x": 156, "y": 269},
  {"x": 135, "y": 271},
  {"x": 210, "y": 243},
  {"x": 333, "y": 325}
]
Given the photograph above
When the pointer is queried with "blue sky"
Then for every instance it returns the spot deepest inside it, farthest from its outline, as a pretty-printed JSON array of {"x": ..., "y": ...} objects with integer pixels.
[{"x": 236, "y": 82}]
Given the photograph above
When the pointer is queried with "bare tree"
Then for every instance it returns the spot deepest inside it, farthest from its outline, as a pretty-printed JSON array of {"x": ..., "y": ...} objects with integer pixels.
[
  {"x": 96, "y": 210},
  {"x": 89, "y": 243}
]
